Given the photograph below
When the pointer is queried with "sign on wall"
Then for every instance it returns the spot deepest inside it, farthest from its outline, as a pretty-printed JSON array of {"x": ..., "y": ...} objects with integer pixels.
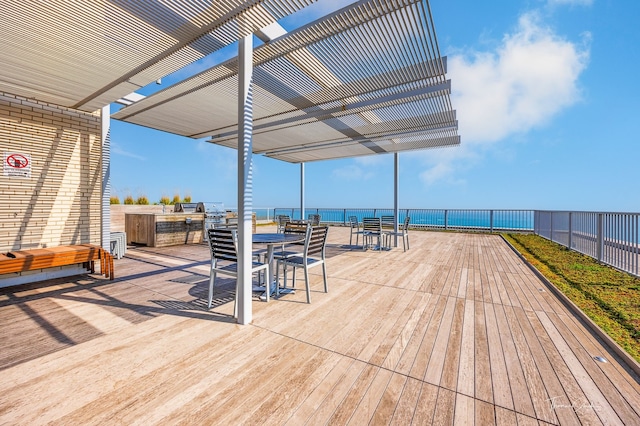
[{"x": 17, "y": 164}]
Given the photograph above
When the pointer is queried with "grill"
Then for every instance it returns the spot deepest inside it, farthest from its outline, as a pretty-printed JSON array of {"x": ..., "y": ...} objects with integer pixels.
[
  {"x": 214, "y": 215},
  {"x": 189, "y": 208}
]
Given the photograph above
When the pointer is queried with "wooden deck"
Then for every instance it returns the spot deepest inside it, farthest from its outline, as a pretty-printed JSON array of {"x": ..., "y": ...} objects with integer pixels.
[{"x": 457, "y": 330}]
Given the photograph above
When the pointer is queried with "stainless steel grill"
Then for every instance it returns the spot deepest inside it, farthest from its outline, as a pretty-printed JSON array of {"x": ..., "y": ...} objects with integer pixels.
[
  {"x": 189, "y": 208},
  {"x": 214, "y": 215}
]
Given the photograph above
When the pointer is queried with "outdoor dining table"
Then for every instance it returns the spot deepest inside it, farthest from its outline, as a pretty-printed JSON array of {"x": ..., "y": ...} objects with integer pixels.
[{"x": 271, "y": 240}]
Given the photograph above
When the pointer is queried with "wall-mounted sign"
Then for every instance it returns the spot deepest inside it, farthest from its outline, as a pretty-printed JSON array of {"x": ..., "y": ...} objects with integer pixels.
[{"x": 17, "y": 164}]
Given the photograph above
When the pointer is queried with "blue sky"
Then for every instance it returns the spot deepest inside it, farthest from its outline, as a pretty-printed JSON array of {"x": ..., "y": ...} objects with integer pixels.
[{"x": 547, "y": 95}]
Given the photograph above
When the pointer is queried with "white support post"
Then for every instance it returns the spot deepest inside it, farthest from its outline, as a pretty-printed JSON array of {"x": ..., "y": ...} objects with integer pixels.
[
  {"x": 396, "y": 187},
  {"x": 105, "y": 216},
  {"x": 302, "y": 207},
  {"x": 245, "y": 177}
]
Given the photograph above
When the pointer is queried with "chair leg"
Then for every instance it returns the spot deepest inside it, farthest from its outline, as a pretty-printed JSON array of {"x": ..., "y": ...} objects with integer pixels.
[
  {"x": 306, "y": 281},
  {"x": 235, "y": 300},
  {"x": 212, "y": 279},
  {"x": 324, "y": 277},
  {"x": 293, "y": 279}
]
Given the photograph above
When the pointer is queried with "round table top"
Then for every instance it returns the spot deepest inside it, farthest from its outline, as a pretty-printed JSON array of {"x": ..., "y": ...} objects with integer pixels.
[{"x": 276, "y": 238}]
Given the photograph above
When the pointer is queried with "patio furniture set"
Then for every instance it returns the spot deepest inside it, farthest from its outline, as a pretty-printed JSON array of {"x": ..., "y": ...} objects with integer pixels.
[
  {"x": 381, "y": 229},
  {"x": 301, "y": 245}
]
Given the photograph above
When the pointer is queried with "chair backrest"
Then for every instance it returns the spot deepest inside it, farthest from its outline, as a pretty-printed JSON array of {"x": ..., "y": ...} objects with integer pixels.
[
  {"x": 282, "y": 220},
  {"x": 223, "y": 244},
  {"x": 314, "y": 219},
  {"x": 316, "y": 240},
  {"x": 353, "y": 221},
  {"x": 405, "y": 227},
  {"x": 388, "y": 222},
  {"x": 371, "y": 224},
  {"x": 296, "y": 228}
]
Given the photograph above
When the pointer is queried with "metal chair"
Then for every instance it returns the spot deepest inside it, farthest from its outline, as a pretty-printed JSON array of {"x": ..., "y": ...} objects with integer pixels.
[
  {"x": 223, "y": 244},
  {"x": 314, "y": 219},
  {"x": 355, "y": 229},
  {"x": 402, "y": 232},
  {"x": 282, "y": 220},
  {"x": 314, "y": 244},
  {"x": 293, "y": 249},
  {"x": 388, "y": 227},
  {"x": 371, "y": 228}
]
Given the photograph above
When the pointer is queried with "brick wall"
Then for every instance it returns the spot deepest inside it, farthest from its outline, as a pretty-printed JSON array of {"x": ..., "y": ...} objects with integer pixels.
[{"x": 60, "y": 202}]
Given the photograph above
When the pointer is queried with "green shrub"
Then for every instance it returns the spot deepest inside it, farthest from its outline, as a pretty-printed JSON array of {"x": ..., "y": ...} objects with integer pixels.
[
  {"x": 129, "y": 200},
  {"x": 176, "y": 199},
  {"x": 165, "y": 200},
  {"x": 142, "y": 200},
  {"x": 187, "y": 199},
  {"x": 114, "y": 200}
]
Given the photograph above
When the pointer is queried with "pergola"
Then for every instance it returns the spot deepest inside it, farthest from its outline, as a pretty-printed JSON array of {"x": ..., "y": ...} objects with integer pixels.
[{"x": 367, "y": 79}]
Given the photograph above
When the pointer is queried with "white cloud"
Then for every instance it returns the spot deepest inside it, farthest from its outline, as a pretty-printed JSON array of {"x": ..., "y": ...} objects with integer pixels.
[
  {"x": 118, "y": 150},
  {"x": 523, "y": 84}
]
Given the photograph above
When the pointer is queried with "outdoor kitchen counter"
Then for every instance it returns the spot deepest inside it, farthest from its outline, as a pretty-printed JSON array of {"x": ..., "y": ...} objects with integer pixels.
[{"x": 161, "y": 230}]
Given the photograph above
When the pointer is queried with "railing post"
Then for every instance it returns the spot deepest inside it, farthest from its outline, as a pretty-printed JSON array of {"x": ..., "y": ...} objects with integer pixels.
[
  {"x": 599, "y": 236},
  {"x": 446, "y": 219},
  {"x": 570, "y": 230},
  {"x": 344, "y": 217},
  {"x": 491, "y": 220},
  {"x": 551, "y": 226}
]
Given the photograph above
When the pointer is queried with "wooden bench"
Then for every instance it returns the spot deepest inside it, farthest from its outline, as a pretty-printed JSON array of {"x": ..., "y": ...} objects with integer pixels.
[{"x": 42, "y": 258}]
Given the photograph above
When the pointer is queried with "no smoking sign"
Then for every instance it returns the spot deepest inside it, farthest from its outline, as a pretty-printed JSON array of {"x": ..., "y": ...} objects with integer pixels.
[{"x": 17, "y": 164}]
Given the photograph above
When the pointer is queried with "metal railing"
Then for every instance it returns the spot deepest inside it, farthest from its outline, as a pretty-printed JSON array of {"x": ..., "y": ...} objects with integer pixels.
[
  {"x": 445, "y": 219},
  {"x": 611, "y": 238}
]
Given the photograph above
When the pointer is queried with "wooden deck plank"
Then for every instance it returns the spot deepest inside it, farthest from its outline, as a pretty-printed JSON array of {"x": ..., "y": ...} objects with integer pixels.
[
  {"x": 389, "y": 401},
  {"x": 594, "y": 396},
  {"x": 346, "y": 408},
  {"x": 571, "y": 388},
  {"x": 522, "y": 401},
  {"x": 426, "y": 406},
  {"x": 482, "y": 364},
  {"x": 404, "y": 413},
  {"x": 445, "y": 407},
  {"x": 437, "y": 359},
  {"x": 315, "y": 398},
  {"x": 553, "y": 386},
  {"x": 466, "y": 372},
  {"x": 499, "y": 377},
  {"x": 533, "y": 380},
  {"x": 426, "y": 339},
  {"x": 369, "y": 398},
  {"x": 389, "y": 351},
  {"x": 600, "y": 373},
  {"x": 337, "y": 394},
  {"x": 465, "y": 413},
  {"x": 451, "y": 365},
  {"x": 410, "y": 350},
  {"x": 484, "y": 413}
]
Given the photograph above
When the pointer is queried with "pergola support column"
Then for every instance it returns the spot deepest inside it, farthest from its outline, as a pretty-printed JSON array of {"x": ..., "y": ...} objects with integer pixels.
[
  {"x": 105, "y": 190},
  {"x": 245, "y": 177},
  {"x": 396, "y": 188},
  {"x": 302, "y": 207}
]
